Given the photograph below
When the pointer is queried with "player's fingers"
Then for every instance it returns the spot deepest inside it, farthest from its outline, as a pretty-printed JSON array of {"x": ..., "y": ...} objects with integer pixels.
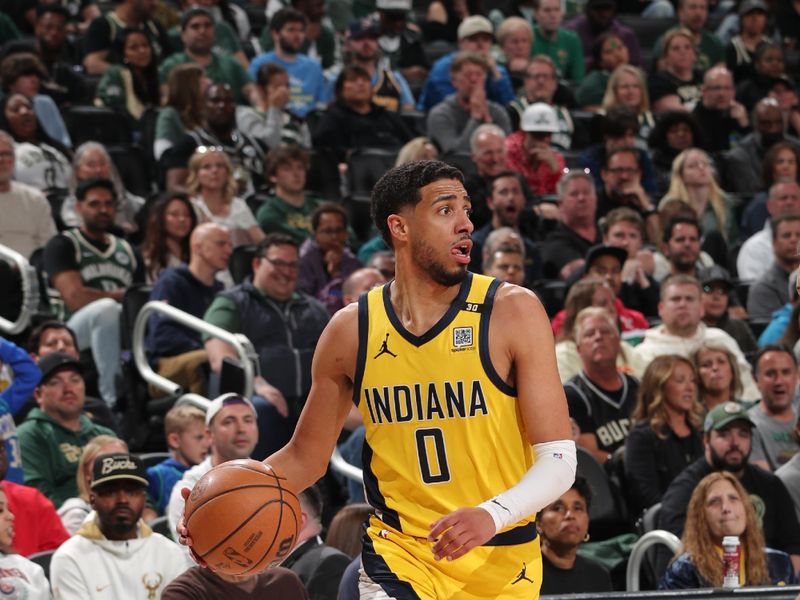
[
  {"x": 450, "y": 541},
  {"x": 439, "y": 527},
  {"x": 462, "y": 550}
]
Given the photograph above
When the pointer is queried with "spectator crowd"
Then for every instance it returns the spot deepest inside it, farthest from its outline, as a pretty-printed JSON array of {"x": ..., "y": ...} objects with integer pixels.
[{"x": 635, "y": 164}]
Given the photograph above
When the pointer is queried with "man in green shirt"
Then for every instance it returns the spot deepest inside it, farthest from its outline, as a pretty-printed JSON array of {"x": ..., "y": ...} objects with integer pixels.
[
  {"x": 198, "y": 37},
  {"x": 52, "y": 436},
  {"x": 562, "y": 45},
  {"x": 692, "y": 15},
  {"x": 288, "y": 210}
]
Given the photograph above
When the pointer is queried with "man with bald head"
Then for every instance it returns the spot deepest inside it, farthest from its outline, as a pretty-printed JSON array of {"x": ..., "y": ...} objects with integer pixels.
[
  {"x": 360, "y": 281},
  {"x": 756, "y": 253},
  {"x": 177, "y": 350},
  {"x": 722, "y": 119},
  {"x": 744, "y": 161}
]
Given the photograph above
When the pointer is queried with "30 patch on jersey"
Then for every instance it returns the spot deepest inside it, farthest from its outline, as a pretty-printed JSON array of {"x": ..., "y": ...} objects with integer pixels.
[{"x": 462, "y": 337}]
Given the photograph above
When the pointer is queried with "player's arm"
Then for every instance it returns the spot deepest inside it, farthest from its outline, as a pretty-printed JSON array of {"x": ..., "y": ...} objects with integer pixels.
[
  {"x": 531, "y": 359},
  {"x": 305, "y": 458}
]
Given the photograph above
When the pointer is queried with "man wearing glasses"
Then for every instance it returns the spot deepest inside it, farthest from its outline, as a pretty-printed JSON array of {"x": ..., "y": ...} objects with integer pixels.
[{"x": 283, "y": 324}]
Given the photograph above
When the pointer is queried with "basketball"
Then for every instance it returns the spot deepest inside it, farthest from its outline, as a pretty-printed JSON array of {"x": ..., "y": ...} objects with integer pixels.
[{"x": 242, "y": 518}]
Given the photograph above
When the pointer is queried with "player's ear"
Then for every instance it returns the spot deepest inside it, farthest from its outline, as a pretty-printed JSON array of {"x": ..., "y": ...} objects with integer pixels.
[{"x": 398, "y": 227}]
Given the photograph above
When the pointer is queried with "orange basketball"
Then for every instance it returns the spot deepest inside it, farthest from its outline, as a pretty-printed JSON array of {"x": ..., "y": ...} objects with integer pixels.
[{"x": 242, "y": 518}]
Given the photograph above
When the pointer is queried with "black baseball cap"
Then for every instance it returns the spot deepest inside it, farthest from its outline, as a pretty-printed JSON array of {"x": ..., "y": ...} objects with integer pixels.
[
  {"x": 599, "y": 250},
  {"x": 190, "y": 14},
  {"x": 51, "y": 363},
  {"x": 118, "y": 466},
  {"x": 715, "y": 274}
]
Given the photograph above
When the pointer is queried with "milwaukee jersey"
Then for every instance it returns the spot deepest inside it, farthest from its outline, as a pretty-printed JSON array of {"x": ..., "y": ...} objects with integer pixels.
[{"x": 443, "y": 430}]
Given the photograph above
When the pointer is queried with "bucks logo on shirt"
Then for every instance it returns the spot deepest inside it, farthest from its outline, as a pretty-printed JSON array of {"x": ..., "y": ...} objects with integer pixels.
[{"x": 105, "y": 270}]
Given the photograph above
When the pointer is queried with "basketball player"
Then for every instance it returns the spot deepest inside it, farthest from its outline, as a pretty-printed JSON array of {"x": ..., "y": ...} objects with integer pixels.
[{"x": 467, "y": 431}]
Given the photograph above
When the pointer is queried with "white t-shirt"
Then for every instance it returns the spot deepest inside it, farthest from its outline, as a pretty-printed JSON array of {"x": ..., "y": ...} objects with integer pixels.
[
  {"x": 239, "y": 220},
  {"x": 26, "y": 223},
  {"x": 22, "y": 578},
  {"x": 41, "y": 166}
]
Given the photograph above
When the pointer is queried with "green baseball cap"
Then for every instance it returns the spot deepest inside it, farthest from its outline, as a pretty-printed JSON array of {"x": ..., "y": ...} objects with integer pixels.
[{"x": 726, "y": 413}]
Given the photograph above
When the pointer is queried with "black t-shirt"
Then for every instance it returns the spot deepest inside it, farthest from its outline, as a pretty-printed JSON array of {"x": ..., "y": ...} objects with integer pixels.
[
  {"x": 59, "y": 256},
  {"x": 562, "y": 246},
  {"x": 663, "y": 83},
  {"x": 103, "y": 31},
  {"x": 602, "y": 412},
  {"x": 585, "y": 576}
]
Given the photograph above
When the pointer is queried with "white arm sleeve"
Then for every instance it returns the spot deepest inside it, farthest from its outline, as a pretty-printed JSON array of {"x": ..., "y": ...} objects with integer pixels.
[{"x": 552, "y": 474}]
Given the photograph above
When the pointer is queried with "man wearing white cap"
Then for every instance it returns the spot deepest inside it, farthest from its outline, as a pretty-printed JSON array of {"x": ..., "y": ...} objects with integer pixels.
[
  {"x": 231, "y": 423},
  {"x": 452, "y": 122},
  {"x": 474, "y": 33},
  {"x": 529, "y": 152}
]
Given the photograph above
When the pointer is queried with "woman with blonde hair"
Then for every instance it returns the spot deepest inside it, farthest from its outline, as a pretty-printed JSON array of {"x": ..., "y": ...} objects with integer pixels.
[
  {"x": 719, "y": 507},
  {"x": 183, "y": 108},
  {"x": 420, "y": 148},
  {"x": 718, "y": 374},
  {"x": 515, "y": 39},
  {"x": 666, "y": 436},
  {"x": 627, "y": 87},
  {"x": 74, "y": 510},
  {"x": 693, "y": 181},
  {"x": 212, "y": 188}
]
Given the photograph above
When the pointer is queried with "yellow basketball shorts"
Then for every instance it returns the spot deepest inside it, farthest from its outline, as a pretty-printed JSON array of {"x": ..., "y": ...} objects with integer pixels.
[{"x": 397, "y": 566}]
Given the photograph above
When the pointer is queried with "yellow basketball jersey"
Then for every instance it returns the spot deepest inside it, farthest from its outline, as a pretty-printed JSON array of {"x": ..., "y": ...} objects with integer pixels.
[{"x": 443, "y": 430}]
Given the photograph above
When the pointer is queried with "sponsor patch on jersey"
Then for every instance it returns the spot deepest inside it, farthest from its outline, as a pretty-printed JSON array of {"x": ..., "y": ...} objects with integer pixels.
[
  {"x": 122, "y": 258},
  {"x": 462, "y": 337}
]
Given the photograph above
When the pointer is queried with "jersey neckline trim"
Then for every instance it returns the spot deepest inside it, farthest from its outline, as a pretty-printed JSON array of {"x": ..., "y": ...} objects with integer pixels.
[{"x": 439, "y": 326}]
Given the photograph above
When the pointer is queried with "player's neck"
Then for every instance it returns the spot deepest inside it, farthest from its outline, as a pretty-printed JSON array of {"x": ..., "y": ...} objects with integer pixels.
[{"x": 418, "y": 301}]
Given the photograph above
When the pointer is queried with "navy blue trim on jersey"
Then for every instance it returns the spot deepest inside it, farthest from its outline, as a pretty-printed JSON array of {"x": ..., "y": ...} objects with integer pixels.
[
  {"x": 379, "y": 572},
  {"x": 483, "y": 343},
  {"x": 373, "y": 492},
  {"x": 363, "y": 338},
  {"x": 441, "y": 324},
  {"x": 519, "y": 535}
]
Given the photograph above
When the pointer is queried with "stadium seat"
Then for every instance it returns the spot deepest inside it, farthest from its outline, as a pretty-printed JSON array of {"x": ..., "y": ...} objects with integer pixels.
[
  {"x": 758, "y": 325},
  {"x": 437, "y": 49},
  {"x": 43, "y": 560},
  {"x": 131, "y": 162},
  {"x": 416, "y": 121},
  {"x": 364, "y": 167},
  {"x": 150, "y": 459},
  {"x": 92, "y": 123},
  {"x": 607, "y": 515},
  {"x": 462, "y": 161},
  {"x": 742, "y": 287},
  {"x": 241, "y": 263},
  {"x": 323, "y": 175},
  {"x": 161, "y": 525},
  {"x": 552, "y": 293},
  {"x": 582, "y": 136}
]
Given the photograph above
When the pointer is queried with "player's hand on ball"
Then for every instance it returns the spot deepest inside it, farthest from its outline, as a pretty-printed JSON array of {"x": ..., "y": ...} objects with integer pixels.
[
  {"x": 460, "y": 531},
  {"x": 183, "y": 533}
]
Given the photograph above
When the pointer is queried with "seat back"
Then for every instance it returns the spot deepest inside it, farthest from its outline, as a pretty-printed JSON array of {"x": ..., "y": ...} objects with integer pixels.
[
  {"x": 606, "y": 515},
  {"x": 161, "y": 525},
  {"x": 136, "y": 296},
  {"x": 462, "y": 161},
  {"x": 133, "y": 168},
  {"x": 323, "y": 175},
  {"x": 364, "y": 167},
  {"x": 241, "y": 263},
  {"x": 93, "y": 123},
  {"x": 43, "y": 560},
  {"x": 151, "y": 459}
]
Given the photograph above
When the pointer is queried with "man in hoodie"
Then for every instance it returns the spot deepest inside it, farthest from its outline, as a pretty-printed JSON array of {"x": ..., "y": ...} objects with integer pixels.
[
  {"x": 191, "y": 288},
  {"x": 682, "y": 330},
  {"x": 115, "y": 554},
  {"x": 53, "y": 435}
]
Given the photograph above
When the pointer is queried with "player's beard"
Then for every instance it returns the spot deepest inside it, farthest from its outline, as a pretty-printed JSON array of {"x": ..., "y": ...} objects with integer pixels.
[{"x": 423, "y": 255}]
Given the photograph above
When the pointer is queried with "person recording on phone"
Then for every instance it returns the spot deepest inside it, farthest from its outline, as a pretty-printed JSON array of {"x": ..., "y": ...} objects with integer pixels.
[
  {"x": 622, "y": 186},
  {"x": 721, "y": 118}
]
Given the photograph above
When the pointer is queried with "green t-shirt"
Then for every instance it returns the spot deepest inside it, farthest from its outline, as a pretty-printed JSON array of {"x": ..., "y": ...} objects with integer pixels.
[
  {"x": 592, "y": 89},
  {"x": 169, "y": 125},
  {"x": 224, "y": 36},
  {"x": 275, "y": 215},
  {"x": 709, "y": 52},
  {"x": 223, "y": 68},
  {"x": 8, "y": 30},
  {"x": 566, "y": 51}
]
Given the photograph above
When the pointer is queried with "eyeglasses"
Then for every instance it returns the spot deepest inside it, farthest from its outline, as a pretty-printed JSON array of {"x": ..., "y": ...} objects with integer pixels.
[
  {"x": 717, "y": 290},
  {"x": 282, "y": 264}
]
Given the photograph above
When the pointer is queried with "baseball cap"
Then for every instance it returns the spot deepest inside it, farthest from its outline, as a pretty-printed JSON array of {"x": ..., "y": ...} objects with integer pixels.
[
  {"x": 51, "y": 363},
  {"x": 599, "y": 250},
  {"x": 393, "y": 4},
  {"x": 726, "y": 413},
  {"x": 715, "y": 274},
  {"x": 474, "y": 25},
  {"x": 539, "y": 117},
  {"x": 117, "y": 467},
  {"x": 749, "y": 6},
  {"x": 220, "y": 402},
  {"x": 362, "y": 27}
]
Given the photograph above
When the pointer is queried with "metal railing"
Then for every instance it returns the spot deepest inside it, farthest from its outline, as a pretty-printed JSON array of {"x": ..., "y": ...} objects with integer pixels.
[
  {"x": 243, "y": 347},
  {"x": 649, "y": 539},
  {"x": 30, "y": 291},
  {"x": 341, "y": 466}
]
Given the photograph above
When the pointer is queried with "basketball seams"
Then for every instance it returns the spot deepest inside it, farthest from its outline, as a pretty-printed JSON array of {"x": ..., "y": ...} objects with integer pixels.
[
  {"x": 231, "y": 490},
  {"x": 241, "y": 525}
]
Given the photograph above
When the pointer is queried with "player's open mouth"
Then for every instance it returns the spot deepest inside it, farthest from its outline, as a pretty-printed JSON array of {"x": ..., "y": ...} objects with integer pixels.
[{"x": 461, "y": 251}]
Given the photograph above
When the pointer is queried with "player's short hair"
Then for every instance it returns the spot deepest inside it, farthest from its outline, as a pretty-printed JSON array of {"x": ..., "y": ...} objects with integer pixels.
[
  {"x": 178, "y": 418},
  {"x": 284, "y": 16},
  {"x": 678, "y": 220},
  {"x": 267, "y": 71},
  {"x": 622, "y": 150},
  {"x": 471, "y": 57},
  {"x": 504, "y": 248},
  {"x": 285, "y": 155},
  {"x": 274, "y": 239},
  {"x": 680, "y": 279},
  {"x": 400, "y": 187},
  {"x": 44, "y": 9},
  {"x": 35, "y": 338},
  {"x": 622, "y": 214},
  {"x": 782, "y": 348},
  {"x": 588, "y": 313},
  {"x": 776, "y": 222}
]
